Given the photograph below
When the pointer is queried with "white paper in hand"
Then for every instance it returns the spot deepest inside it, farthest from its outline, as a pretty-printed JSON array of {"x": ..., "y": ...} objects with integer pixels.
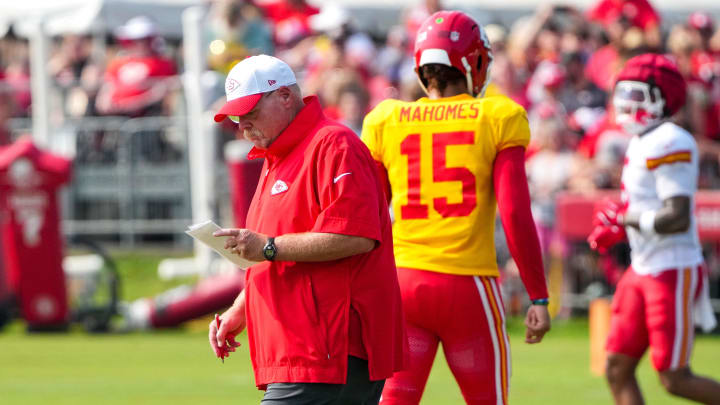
[{"x": 203, "y": 232}]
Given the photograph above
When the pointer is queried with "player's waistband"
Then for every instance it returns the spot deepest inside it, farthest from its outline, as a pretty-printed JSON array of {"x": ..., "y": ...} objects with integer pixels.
[
  {"x": 654, "y": 267},
  {"x": 449, "y": 269}
]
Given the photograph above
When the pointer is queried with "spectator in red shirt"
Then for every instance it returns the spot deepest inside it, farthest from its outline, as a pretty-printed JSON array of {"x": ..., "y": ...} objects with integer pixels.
[
  {"x": 639, "y": 13},
  {"x": 619, "y": 15},
  {"x": 291, "y": 19},
  {"x": 633, "y": 27},
  {"x": 17, "y": 78},
  {"x": 134, "y": 82},
  {"x": 322, "y": 306},
  {"x": 705, "y": 71}
]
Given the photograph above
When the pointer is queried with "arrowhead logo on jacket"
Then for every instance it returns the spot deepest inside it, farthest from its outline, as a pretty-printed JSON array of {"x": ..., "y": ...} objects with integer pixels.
[
  {"x": 278, "y": 187},
  {"x": 271, "y": 82}
]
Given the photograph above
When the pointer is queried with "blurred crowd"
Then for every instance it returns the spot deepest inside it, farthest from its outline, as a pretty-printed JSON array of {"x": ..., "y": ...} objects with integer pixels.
[{"x": 558, "y": 63}]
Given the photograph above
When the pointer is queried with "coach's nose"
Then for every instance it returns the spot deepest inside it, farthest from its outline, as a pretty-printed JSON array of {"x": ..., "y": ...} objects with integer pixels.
[{"x": 244, "y": 125}]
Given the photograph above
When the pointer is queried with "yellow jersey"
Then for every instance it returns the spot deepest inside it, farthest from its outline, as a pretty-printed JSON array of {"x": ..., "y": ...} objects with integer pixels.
[{"x": 439, "y": 156}]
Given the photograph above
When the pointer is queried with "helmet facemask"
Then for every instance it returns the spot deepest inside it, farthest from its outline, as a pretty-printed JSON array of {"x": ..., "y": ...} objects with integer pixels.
[{"x": 638, "y": 106}]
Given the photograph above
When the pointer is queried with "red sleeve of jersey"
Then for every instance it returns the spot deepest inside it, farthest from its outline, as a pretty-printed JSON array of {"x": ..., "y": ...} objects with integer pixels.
[{"x": 513, "y": 197}]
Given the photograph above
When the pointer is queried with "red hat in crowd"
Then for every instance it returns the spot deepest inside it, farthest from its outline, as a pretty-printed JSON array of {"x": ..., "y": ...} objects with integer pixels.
[
  {"x": 701, "y": 21},
  {"x": 637, "y": 13},
  {"x": 658, "y": 71}
]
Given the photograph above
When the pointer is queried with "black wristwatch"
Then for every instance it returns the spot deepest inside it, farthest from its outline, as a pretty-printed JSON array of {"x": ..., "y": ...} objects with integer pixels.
[{"x": 270, "y": 251}]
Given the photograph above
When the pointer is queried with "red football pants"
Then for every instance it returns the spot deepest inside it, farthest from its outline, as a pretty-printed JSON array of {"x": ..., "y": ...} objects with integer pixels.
[
  {"x": 466, "y": 314},
  {"x": 656, "y": 311}
]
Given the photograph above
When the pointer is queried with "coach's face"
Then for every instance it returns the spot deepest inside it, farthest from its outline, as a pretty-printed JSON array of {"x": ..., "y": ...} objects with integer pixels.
[{"x": 271, "y": 115}]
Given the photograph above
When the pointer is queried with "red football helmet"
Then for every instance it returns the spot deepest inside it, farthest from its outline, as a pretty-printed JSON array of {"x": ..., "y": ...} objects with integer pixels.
[
  {"x": 648, "y": 89},
  {"x": 454, "y": 39}
]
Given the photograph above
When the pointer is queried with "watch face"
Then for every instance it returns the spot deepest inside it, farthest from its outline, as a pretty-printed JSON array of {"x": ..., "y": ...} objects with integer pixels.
[{"x": 269, "y": 252}]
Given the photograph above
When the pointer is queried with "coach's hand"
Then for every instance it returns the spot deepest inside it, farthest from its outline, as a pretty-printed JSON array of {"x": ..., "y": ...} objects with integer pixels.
[
  {"x": 244, "y": 242},
  {"x": 232, "y": 323},
  {"x": 537, "y": 322}
]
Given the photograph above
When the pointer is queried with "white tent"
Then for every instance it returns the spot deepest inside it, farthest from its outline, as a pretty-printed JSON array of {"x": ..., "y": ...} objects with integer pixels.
[
  {"x": 40, "y": 19},
  {"x": 525, "y": 4},
  {"x": 85, "y": 16},
  {"x": 77, "y": 16}
]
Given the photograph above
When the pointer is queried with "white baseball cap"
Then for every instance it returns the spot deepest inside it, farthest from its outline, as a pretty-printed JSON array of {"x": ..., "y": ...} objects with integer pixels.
[
  {"x": 249, "y": 79},
  {"x": 137, "y": 28}
]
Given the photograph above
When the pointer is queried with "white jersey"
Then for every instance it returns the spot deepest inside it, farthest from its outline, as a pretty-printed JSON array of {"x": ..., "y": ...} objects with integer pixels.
[{"x": 660, "y": 164}]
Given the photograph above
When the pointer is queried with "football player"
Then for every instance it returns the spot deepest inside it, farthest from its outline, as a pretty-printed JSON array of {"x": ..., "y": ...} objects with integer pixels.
[
  {"x": 656, "y": 297},
  {"x": 447, "y": 158}
]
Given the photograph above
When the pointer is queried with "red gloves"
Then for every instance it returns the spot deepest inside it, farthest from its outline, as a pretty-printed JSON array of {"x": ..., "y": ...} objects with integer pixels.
[{"x": 608, "y": 226}]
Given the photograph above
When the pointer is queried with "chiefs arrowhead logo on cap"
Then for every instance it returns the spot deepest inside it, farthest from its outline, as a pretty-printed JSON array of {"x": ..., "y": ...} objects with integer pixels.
[
  {"x": 271, "y": 82},
  {"x": 230, "y": 85}
]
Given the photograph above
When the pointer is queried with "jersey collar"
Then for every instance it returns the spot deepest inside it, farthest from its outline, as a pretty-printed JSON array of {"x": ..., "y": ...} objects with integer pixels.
[
  {"x": 298, "y": 129},
  {"x": 459, "y": 97}
]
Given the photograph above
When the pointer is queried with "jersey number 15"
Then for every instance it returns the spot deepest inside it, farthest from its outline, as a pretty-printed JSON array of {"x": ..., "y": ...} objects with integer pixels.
[{"x": 414, "y": 209}]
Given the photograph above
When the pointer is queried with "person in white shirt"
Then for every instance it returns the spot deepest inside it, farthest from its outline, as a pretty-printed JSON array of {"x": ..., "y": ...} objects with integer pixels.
[{"x": 664, "y": 292}]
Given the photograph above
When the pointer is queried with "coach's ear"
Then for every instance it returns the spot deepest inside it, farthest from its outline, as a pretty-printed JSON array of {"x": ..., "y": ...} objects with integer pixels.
[{"x": 285, "y": 96}]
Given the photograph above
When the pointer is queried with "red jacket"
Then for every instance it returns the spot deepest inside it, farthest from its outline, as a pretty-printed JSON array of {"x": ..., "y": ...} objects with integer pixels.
[{"x": 319, "y": 177}]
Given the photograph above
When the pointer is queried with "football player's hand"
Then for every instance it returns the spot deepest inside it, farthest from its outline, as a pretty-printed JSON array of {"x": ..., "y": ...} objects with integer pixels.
[
  {"x": 244, "y": 242},
  {"x": 603, "y": 237},
  {"x": 537, "y": 322},
  {"x": 608, "y": 213}
]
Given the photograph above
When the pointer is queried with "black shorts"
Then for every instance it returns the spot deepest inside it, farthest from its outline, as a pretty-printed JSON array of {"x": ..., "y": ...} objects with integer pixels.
[{"x": 358, "y": 390}]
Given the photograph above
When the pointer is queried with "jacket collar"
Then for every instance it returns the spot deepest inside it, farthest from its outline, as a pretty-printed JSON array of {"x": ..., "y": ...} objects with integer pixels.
[{"x": 298, "y": 129}]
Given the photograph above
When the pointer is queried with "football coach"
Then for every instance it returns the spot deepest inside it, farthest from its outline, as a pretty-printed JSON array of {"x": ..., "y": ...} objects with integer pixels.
[{"x": 322, "y": 308}]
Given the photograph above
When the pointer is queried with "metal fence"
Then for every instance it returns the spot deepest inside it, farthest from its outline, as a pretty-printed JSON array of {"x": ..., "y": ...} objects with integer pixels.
[{"x": 130, "y": 178}]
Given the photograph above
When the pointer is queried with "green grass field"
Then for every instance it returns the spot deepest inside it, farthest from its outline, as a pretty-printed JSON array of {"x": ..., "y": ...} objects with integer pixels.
[{"x": 177, "y": 367}]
